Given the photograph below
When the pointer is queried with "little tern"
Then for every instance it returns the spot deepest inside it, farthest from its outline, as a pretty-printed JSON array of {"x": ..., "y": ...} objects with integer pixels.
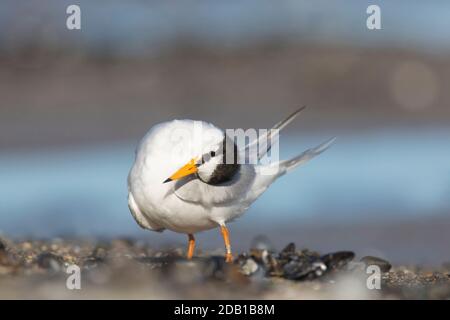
[{"x": 201, "y": 188}]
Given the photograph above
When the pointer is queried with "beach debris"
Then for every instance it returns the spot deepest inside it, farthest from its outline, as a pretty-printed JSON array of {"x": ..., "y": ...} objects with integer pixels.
[
  {"x": 9, "y": 263},
  {"x": 97, "y": 257},
  {"x": 384, "y": 265},
  {"x": 292, "y": 264},
  {"x": 337, "y": 260},
  {"x": 50, "y": 261},
  {"x": 249, "y": 267},
  {"x": 132, "y": 264},
  {"x": 306, "y": 264}
]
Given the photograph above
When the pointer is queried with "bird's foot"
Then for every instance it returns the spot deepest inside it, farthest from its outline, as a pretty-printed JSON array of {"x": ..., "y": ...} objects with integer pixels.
[{"x": 228, "y": 258}]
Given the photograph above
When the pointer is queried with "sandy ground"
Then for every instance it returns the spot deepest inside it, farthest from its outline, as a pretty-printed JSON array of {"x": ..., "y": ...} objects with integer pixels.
[{"x": 128, "y": 269}]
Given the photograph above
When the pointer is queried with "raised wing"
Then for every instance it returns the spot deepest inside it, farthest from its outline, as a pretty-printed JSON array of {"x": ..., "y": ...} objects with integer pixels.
[{"x": 264, "y": 142}]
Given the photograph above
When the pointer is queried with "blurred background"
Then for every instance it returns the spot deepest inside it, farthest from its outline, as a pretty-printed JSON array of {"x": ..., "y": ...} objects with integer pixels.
[{"x": 74, "y": 104}]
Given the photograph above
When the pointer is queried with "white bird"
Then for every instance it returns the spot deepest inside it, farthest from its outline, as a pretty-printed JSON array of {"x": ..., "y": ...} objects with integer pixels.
[{"x": 207, "y": 191}]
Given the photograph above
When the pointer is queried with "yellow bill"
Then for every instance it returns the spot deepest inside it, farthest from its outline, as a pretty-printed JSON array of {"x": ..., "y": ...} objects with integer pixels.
[{"x": 190, "y": 168}]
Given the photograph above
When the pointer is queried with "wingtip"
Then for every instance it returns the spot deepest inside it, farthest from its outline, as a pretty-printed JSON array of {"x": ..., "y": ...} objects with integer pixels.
[
  {"x": 324, "y": 146},
  {"x": 280, "y": 125},
  {"x": 299, "y": 110},
  {"x": 302, "y": 108},
  {"x": 333, "y": 139}
]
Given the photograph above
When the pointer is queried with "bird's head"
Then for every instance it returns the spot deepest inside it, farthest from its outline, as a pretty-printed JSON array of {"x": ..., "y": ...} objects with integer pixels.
[{"x": 218, "y": 164}]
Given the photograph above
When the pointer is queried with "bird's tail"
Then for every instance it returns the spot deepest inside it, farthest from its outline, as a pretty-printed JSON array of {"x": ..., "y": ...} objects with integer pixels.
[{"x": 287, "y": 165}]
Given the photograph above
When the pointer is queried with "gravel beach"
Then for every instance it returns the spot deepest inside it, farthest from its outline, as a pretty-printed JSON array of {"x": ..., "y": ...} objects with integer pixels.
[{"x": 132, "y": 269}]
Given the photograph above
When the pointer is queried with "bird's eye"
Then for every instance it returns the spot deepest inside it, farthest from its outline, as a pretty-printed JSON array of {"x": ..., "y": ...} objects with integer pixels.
[{"x": 212, "y": 153}]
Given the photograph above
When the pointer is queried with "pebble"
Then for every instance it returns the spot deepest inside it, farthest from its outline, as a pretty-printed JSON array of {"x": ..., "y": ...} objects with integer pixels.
[
  {"x": 303, "y": 269},
  {"x": 50, "y": 261},
  {"x": 4, "y": 258},
  {"x": 249, "y": 267},
  {"x": 337, "y": 260},
  {"x": 2, "y": 245},
  {"x": 215, "y": 267},
  {"x": 7, "y": 259},
  {"x": 384, "y": 265},
  {"x": 288, "y": 250},
  {"x": 99, "y": 253},
  {"x": 306, "y": 264}
]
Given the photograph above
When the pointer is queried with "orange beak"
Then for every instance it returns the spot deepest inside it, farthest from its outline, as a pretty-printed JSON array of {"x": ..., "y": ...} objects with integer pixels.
[{"x": 190, "y": 168}]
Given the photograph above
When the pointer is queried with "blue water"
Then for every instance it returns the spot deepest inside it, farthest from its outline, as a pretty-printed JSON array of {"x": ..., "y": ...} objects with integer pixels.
[{"x": 365, "y": 176}]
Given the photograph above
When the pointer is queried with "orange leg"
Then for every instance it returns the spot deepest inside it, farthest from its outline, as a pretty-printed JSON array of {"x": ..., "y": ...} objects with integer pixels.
[
  {"x": 226, "y": 239},
  {"x": 191, "y": 246}
]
